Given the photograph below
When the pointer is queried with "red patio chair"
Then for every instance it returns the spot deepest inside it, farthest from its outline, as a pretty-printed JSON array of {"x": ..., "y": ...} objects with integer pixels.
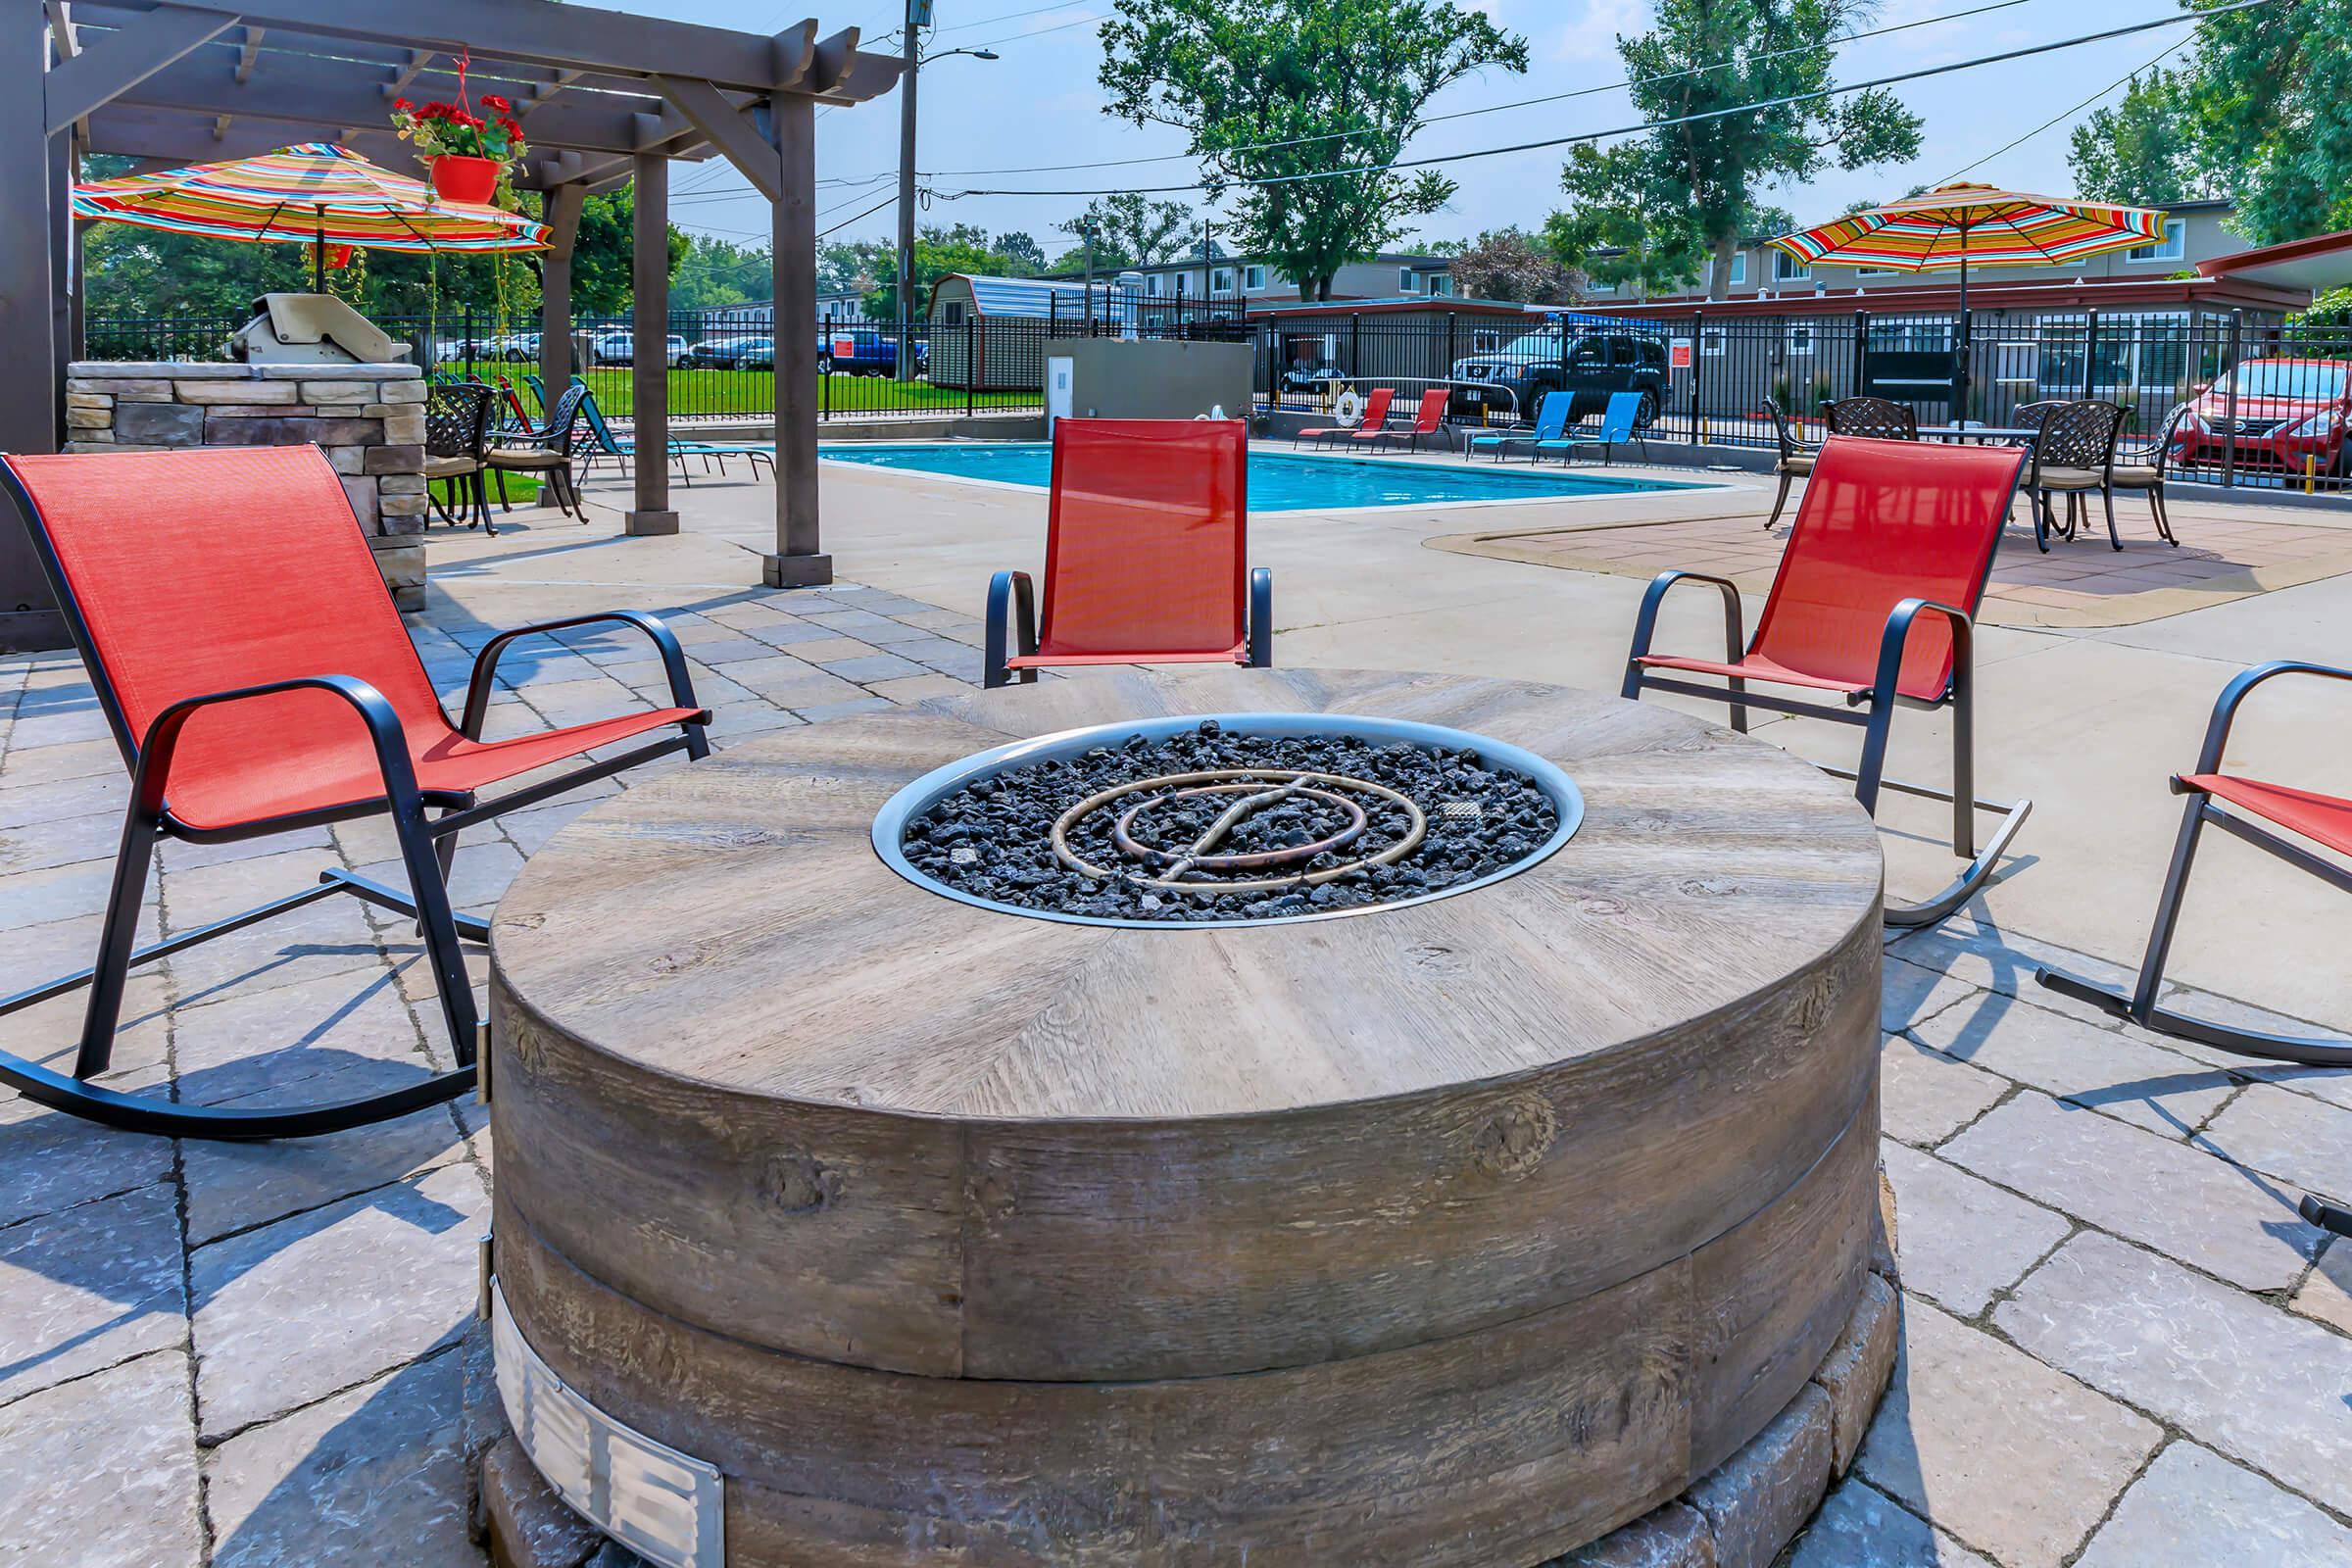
[
  {"x": 1426, "y": 420},
  {"x": 2321, "y": 819},
  {"x": 1146, "y": 554},
  {"x": 260, "y": 681},
  {"x": 1884, "y": 568},
  {"x": 1376, "y": 417}
]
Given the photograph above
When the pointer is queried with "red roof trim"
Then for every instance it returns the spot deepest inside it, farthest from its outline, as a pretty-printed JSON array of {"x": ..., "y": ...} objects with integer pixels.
[
  {"x": 2293, "y": 250},
  {"x": 1443, "y": 303},
  {"x": 1988, "y": 297}
]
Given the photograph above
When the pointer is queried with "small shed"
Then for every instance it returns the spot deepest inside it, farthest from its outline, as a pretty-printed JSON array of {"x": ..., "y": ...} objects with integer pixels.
[{"x": 987, "y": 334}]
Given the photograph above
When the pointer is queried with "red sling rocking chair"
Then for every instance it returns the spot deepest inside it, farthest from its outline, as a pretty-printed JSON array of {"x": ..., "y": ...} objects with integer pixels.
[
  {"x": 2321, "y": 819},
  {"x": 1873, "y": 602},
  {"x": 259, "y": 680},
  {"x": 1146, "y": 559}
]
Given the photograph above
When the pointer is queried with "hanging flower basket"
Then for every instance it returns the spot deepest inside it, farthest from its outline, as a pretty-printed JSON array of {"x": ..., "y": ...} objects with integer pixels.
[
  {"x": 466, "y": 155},
  {"x": 456, "y": 177}
]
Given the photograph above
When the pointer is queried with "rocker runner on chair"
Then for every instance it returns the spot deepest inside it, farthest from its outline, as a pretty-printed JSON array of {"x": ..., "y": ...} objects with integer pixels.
[{"x": 259, "y": 680}]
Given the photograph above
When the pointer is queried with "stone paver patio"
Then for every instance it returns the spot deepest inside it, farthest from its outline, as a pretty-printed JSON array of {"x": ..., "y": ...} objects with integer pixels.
[{"x": 2122, "y": 1349}]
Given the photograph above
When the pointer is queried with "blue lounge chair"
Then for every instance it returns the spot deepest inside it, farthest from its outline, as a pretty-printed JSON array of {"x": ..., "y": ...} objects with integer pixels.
[
  {"x": 602, "y": 443},
  {"x": 1551, "y": 419},
  {"x": 1616, "y": 425}
]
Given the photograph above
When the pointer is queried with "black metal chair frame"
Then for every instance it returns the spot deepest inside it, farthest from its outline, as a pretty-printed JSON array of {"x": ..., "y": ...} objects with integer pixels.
[
  {"x": 2078, "y": 510},
  {"x": 2140, "y": 1006},
  {"x": 427, "y": 846},
  {"x": 1791, "y": 448},
  {"x": 477, "y": 492},
  {"x": 1883, "y": 418},
  {"x": 1012, "y": 606},
  {"x": 2155, "y": 456},
  {"x": 562, "y": 433},
  {"x": 1872, "y": 710}
]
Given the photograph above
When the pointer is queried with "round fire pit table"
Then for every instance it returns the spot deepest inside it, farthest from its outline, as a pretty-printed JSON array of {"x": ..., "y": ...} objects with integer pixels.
[{"x": 842, "y": 1220}]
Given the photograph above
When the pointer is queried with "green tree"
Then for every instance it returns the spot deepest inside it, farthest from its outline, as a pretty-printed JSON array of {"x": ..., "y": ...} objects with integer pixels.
[
  {"x": 1131, "y": 230},
  {"x": 1510, "y": 264},
  {"x": 846, "y": 265},
  {"x": 2145, "y": 150},
  {"x": 1021, "y": 251},
  {"x": 1656, "y": 210},
  {"x": 2270, "y": 98},
  {"x": 1267, "y": 90}
]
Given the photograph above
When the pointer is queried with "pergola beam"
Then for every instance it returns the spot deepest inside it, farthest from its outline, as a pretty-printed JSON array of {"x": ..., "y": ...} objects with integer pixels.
[
  {"x": 249, "y": 53},
  {"x": 534, "y": 31},
  {"x": 110, "y": 65},
  {"x": 716, "y": 117}
]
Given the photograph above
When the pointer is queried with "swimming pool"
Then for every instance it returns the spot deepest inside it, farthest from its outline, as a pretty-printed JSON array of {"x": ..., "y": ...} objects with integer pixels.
[{"x": 1279, "y": 481}]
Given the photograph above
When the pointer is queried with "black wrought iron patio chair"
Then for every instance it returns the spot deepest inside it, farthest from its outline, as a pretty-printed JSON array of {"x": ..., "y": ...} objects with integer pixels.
[
  {"x": 1878, "y": 418},
  {"x": 457, "y": 434},
  {"x": 2072, "y": 458},
  {"x": 1796, "y": 459},
  {"x": 548, "y": 455}
]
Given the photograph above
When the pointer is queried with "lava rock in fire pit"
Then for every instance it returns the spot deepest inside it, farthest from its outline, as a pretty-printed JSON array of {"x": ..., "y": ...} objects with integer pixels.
[{"x": 994, "y": 838}]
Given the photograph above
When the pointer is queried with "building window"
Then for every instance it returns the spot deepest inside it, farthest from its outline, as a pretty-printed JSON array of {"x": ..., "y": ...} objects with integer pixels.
[
  {"x": 1711, "y": 340},
  {"x": 1253, "y": 278},
  {"x": 1739, "y": 269},
  {"x": 1595, "y": 286},
  {"x": 1151, "y": 284},
  {"x": 1441, "y": 283},
  {"x": 1404, "y": 281},
  {"x": 1876, "y": 272},
  {"x": 1787, "y": 268},
  {"x": 2172, "y": 248},
  {"x": 1220, "y": 280},
  {"x": 1800, "y": 340},
  {"x": 952, "y": 312}
]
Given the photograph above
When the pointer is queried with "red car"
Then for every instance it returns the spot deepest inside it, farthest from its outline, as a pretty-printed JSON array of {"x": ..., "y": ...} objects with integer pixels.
[{"x": 2287, "y": 411}]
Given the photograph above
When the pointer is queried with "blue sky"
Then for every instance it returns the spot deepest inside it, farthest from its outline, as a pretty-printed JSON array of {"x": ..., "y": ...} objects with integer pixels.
[{"x": 1039, "y": 105}]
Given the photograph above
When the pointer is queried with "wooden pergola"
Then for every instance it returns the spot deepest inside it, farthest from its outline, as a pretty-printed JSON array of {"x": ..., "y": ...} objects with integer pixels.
[{"x": 604, "y": 97}]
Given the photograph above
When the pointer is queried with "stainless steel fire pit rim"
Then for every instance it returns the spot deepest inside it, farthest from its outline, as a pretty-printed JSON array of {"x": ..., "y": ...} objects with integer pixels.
[{"x": 921, "y": 794}]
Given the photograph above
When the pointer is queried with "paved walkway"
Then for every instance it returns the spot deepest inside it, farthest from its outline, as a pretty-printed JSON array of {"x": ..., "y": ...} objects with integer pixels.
[{"x": 2122, "y": 1349}]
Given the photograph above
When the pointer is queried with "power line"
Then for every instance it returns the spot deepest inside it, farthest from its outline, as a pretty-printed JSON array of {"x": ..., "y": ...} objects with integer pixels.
[
  {"x": 1541, "y": 143},
  {"x": 2066, "y": 112},
  {"x": 868, "y": 212},
  {"x": 1010, "y": 16},
  {"x": 1516, "y": 103}
]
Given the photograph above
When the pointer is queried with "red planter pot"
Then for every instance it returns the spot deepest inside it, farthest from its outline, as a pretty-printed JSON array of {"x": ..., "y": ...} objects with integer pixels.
[{"x": 463, "y": 179}]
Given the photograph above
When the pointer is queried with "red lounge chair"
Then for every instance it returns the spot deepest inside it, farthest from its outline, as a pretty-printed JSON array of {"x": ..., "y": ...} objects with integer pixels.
[
  {"x": 1147, "y": 557},
  {"x": 2322, "y": 819},
  {"x": 1426, "y": 420},
  {"x": 1886, "y": 564},
  {"x": 1376, "y": 417},
  {"x": 258, "y": 681}
]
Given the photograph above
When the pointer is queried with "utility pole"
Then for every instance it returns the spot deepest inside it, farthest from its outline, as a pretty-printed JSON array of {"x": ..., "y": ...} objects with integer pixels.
[
  {"x": 1090, "y": 277},
  {"x": 918, "y": 16}
]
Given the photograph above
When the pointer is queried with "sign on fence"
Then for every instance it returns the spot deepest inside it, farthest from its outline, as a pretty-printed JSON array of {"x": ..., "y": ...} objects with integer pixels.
[{"x": 1678, "y": 354}]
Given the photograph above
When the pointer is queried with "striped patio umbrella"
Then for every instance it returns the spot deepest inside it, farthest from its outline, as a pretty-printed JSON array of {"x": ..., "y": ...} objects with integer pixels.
[
  {"x": 315, "y": 194},
  {"x": 1955, "y": 225}
]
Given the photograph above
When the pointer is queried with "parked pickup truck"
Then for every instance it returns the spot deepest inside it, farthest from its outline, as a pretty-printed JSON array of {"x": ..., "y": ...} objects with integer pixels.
[{"x": 867, "y": 351}]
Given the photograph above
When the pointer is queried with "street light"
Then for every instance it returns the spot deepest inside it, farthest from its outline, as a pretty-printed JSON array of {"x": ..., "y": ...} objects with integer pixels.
[{"x": 918, "y": 17}]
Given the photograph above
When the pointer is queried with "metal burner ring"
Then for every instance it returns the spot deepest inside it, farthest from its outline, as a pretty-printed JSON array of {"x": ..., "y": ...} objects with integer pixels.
[
  {"x": 1122, "y": 832},
  {"x": 1249, "y": 776}
]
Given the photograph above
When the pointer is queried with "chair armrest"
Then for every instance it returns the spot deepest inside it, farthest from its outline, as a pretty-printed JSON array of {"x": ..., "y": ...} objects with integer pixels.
[
  {"x": 485, "y": 663},
  {"x": 1008, "y": 592},
  {"x": 1646, "y": 624},
  {"x": 2224, "y": 708},
  {"x": 1897, "y": 635},
  {"x": 1261, "y": 617},
  {"x": 375, "y": 710}
]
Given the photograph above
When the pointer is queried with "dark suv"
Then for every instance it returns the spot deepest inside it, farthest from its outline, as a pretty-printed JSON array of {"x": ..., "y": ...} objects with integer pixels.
[{"x": 1589, "y": 366}]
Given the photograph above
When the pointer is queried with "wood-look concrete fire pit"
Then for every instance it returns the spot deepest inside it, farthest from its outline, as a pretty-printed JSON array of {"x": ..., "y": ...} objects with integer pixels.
[{"x": 849, "y": 1211}]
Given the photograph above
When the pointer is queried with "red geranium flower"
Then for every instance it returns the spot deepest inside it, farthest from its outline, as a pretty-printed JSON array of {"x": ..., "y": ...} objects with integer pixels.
[
  {"x": 403, "y": 106},
  {"x": 512, "y": 127},
  {"x": 491, "y": 100}
]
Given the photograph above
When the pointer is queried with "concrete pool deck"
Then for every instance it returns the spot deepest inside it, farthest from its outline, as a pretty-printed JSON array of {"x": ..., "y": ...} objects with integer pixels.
[{"x": 2122, "y": 1349}]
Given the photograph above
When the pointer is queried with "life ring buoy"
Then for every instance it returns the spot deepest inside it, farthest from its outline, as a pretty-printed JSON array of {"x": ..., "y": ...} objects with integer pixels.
[{"x": 1348, "y": 407}]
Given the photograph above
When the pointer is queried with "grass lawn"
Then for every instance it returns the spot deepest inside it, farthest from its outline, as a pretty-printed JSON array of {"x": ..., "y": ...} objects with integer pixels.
[{"x": 700, "y": 393}]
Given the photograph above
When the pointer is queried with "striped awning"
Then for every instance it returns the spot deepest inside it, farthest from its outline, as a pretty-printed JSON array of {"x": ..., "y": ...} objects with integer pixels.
[
  {"x": 1973, "y": 224},
  {"x": 313, "y": 193}
]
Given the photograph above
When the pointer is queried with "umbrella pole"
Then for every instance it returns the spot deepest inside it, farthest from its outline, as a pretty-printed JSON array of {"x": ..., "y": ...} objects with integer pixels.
[{"x": 319, "y": 255}]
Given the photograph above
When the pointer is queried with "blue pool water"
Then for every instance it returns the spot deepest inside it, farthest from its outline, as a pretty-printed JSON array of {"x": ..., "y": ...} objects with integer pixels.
[{"x": 1279, "y": 481}]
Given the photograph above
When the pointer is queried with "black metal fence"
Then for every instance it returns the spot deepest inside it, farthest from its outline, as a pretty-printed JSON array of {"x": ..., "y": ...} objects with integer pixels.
[
  {"x": 720, "y": 363},
  {"x": 2267, "y": 402}
]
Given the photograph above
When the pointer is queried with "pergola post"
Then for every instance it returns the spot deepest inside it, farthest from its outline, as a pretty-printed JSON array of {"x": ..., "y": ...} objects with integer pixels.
[
  {"x": 800, "y": 560},
  {"x": 562, "y": 212},
  {"x": 648, "y": 349},
  {"x": 29, "y": 404}
]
